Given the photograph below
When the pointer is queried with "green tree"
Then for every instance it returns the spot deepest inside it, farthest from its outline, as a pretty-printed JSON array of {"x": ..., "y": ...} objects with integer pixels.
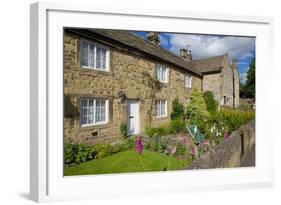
[
  {"x": 196, "y": 108},
  {"x": 211, "y": 103},
  {"x": 177, "y": 110},
  {"x": 248, "y": 90},
  {"x": 251, "y": 80}
]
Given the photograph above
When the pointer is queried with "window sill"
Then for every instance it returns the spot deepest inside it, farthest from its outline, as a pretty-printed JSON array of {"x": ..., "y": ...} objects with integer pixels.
[
  {"x": 161, "y": 117},
  {"x": 92, "y": 70},
  {"x": 94, "y": 126}
]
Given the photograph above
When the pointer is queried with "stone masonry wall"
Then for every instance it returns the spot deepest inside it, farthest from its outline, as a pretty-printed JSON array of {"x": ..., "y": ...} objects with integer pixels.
[
  {"x": 227, "y": 83},
  {"x": 221, "y": 84},
  {"x": 237, "y": 86},
  {"x": 129, "y": 74},
  {"x": 231, "y": 152},
  {"x": 213, "y": 82}
]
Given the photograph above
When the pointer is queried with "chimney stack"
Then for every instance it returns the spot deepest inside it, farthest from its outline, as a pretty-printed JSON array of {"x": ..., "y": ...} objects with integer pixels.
[
  {"x": 185, "y": 54},
  {"x": 153, "y": 37},
  {"x": 234, "y": 64}
]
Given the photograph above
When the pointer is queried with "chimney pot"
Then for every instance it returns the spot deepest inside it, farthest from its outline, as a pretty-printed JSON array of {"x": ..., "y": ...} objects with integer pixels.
[
  {"x": 153, "y": 37},
  {"x": 185, "y": 54}
]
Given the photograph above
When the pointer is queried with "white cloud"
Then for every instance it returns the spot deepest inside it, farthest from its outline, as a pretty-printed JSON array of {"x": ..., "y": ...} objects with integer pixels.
[
  {"x": 243, "y": 77},
  {"x": 203, "y": 46}
]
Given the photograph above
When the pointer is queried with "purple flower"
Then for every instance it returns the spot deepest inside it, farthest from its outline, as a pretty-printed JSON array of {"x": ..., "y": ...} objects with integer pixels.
[{"x": 138, "y": 145}]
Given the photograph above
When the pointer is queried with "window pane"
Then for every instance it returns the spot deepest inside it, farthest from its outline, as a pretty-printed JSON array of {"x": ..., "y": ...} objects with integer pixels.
[
  {"x": 100, "y": 111},
  {"x": 101, "y": 58},
  {"x": 84, "y": 54},
  {"x": 83, "y": 112},
  {"x": 91, "y": 59},
  {"x": 103, "y": 118},
  {"x": 158, "y": 72},
  {"x": 161, "y": 108},
  {"x": 163, "y": 73},
  {"x": 91, "y": 112}
]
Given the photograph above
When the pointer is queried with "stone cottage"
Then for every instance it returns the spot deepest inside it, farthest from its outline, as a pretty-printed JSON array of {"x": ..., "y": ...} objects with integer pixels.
[
  {"x": 114, "y": 78},
  {"x": 221, "y": 77}
]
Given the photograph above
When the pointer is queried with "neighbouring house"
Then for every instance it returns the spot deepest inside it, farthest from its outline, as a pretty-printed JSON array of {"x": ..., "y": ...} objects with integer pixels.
[
  {"x": 114, "y": 77},
  {"x": 221, "y": 77}
]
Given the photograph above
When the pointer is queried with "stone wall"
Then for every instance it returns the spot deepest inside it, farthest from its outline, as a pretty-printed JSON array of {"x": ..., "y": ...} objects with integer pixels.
[
  {"x": 213, "y": 82},
  {"x": 237, "y": 87},
  {"x": 129, "y": 74},
  {"x": 221, "y": 84},
  {"x": 227, "y": 83},
  {"x": 231, "y": 152}
]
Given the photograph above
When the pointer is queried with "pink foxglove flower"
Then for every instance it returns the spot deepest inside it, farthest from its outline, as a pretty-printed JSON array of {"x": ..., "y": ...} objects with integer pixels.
[
  {"x": 192, "y": 151},
  {"x": 138, "y": 146}
]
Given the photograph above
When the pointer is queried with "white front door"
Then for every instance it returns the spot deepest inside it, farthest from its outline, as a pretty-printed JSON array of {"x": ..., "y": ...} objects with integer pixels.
[{"x": 133, "y": 117}]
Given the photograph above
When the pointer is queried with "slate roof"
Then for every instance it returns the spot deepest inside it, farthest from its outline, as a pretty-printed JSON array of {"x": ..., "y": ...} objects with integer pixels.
[
  {"x": 209, "y": 65},
  {"x": 135, "y": 42}
]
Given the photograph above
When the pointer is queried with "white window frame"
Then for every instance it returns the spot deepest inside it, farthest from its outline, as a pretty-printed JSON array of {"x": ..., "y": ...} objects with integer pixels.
[
  {"x": 166, "y": 75},
  {"x": 107, "y": 56},
  {"x": 189, "y": 83},
  {"x": 94, "y": 105},
  {"x": 165, "y": 109}
]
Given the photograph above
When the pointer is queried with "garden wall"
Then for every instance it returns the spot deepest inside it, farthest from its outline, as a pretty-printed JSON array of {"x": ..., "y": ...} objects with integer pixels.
[{"x": 231, "y": 152}]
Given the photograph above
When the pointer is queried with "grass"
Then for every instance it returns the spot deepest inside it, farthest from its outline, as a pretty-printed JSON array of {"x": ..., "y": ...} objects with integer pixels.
[{"x": 124, "y": 162}]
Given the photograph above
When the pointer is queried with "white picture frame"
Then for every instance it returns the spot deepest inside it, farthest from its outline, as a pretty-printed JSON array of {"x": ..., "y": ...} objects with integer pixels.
[{"x": 46, "y": 139}]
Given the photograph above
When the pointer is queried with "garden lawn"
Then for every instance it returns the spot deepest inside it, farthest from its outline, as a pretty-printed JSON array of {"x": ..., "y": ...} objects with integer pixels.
[{"x": 127, "y": 161}]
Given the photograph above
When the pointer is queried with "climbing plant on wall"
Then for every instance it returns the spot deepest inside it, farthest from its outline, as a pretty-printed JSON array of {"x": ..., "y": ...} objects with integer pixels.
[{"x": 155, "y": 86}]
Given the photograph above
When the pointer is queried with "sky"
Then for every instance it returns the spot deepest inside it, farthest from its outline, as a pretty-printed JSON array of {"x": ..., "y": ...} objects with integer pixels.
[{"x": 202, "y": 46}]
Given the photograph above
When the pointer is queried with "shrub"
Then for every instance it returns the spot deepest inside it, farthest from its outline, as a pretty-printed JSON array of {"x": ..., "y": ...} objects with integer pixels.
[
  {"x": 76, "y": 153},
  {"x": 211, "y": 103},
  {"x": 127, "y": 144},
  {"x": 155, "y": 145},
  {"x": 150, "y": 131},
  {"x": 124, "y": 130},
  {"x": 196, "y": 109},
  {"x": 177, "y": 126},
  {"x": 233, "y": 119},
  {"x": 182, "y": 150},
  {"x": 102, "y": 150},
  {"x": 157, "y": 131},
  {"x": 177, "y": 110},
  {"x": 224, "y": 122},
  {"x": 163, "y": 130}
]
